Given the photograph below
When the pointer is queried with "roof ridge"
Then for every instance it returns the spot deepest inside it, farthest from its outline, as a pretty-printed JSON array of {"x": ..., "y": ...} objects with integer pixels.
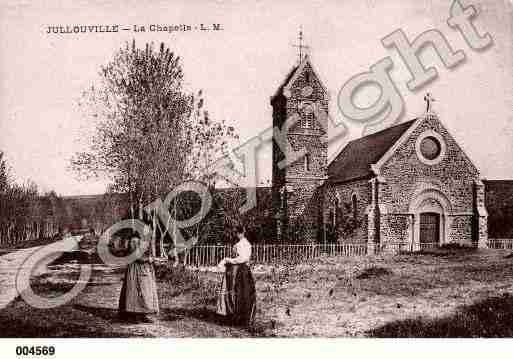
[
  {"x": 354, "y": 161},
  {"x": 369, "y": 135},
  {"x": 386, "y": 129}
]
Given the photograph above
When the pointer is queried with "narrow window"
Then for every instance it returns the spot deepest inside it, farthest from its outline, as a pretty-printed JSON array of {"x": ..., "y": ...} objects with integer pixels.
[
  {"x": 335, "y": 215},
  {"x": 307, "y": 162},
  {"x": 355, "y": 204}
]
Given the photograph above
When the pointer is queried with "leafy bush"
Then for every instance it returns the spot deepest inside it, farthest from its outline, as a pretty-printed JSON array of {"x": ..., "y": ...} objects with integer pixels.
[
  {"x": 177, "y": 276},
  {"x": 374, "y": 272},
  {"x": 180, "y": 280},
  {"x": 45, "y": 287},
  {"x": 449, "y": 249},
  {"x": 453, "y": 245}
]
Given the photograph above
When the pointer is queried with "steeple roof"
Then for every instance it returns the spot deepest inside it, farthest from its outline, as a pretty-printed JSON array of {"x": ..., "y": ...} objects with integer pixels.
[
  {"x": 292, "y": 76},
  {"x": 279, "y": 91}
]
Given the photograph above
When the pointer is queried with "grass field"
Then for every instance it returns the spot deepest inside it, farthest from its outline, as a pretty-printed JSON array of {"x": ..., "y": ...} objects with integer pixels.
[
  {"x": 441, "y": 294},
  {"x": 438, "y": 295}
]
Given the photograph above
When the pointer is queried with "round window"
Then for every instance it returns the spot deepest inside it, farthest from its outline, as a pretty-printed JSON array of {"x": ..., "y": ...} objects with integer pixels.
[{"x": 430, "y": 148}]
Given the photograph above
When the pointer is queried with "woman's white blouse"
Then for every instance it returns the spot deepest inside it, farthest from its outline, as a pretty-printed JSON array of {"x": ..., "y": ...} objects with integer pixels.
[{"x": 243, "y": 249}]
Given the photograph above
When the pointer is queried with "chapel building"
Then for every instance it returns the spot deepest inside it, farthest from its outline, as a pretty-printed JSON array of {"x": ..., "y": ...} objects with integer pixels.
[{"x": 407, "y": 187}]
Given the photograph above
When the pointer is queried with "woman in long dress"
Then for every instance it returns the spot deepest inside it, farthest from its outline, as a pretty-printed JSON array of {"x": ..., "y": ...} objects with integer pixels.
[
  {"x": 138, "y": 297},
  {"x": 237, "y": 298}
]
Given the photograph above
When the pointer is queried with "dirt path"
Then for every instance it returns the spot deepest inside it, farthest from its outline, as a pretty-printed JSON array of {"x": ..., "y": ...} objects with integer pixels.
[
  {"x": 180, "y": 316},
  {"x": 10, "y": 265},
  {"x": 94, "y": 312}
]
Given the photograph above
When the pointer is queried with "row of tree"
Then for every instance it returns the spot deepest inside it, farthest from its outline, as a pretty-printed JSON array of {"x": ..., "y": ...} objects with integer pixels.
[
  {"x": 26, "y": 214},
  {"x": 23, "y": 213}
]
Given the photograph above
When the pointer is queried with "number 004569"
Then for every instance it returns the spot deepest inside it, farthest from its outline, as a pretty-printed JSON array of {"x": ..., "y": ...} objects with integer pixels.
[{"x": 35, "y": 350}]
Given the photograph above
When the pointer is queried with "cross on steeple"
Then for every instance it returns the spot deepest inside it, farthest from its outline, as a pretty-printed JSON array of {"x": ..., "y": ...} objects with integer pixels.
[
  {"x": 301, "y": 47},
  {"x": 429, "y": 102}
]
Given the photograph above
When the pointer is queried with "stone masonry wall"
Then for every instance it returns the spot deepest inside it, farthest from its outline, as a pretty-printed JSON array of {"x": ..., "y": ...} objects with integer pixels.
[
  {"x": 395, "y": 228},
  {"x": 460, "y": 229},
  {"x": 300, "y": 219},
  {"x": 454, "y": 176}
]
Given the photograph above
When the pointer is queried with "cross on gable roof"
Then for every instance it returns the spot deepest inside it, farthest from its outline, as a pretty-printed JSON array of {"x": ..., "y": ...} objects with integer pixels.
[{"x": 362, "y": 158}]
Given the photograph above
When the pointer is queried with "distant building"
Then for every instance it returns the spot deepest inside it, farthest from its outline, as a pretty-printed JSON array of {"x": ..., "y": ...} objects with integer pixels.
[{"x": 499, "y": 204}]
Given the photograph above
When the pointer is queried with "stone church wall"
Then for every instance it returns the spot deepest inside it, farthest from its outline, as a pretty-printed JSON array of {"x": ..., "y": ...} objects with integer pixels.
[
  {"x": 404, "y": 170},
  {"x": 318, "y": 151},
  {"x": 460, "y": 229},
  {"x": 454, "y": 176},
  {"x": 299, "y": 217},
  {"x": 304, "y": 223},
  {"x": 395, "y": 230}
]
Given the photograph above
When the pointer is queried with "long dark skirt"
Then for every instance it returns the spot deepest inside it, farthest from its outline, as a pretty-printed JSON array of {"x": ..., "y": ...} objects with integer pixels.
[
  {"x": 139, "y": 290},
  {"x": 237, "y": 297}
]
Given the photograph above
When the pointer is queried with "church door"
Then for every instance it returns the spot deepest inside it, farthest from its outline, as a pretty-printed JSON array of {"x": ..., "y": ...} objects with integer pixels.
[{"x": 429, "y": 228}]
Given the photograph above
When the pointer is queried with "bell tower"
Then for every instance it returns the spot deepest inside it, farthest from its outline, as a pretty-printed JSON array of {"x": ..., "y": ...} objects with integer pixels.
[{"x": 300, "y": 112}]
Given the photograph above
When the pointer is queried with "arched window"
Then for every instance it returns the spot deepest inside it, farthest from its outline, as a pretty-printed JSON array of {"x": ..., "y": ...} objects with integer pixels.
[
  {"x": 354, "y": 202},
  {"x": 337, "y": 212}
]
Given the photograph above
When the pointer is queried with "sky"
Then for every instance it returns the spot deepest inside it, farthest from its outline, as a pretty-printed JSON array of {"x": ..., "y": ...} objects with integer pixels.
[{"x": 42, "y": 75}]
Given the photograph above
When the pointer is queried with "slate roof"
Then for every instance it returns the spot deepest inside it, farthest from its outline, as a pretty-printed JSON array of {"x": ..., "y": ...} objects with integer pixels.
[{"x": 357, "y": 156}]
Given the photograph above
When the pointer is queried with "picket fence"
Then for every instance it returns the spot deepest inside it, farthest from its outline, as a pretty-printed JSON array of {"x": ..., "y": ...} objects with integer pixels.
[
  {"x": 199, "y": 256},
  {"x": 210, "y": 255},
  {"x": 506, "y": 243}
]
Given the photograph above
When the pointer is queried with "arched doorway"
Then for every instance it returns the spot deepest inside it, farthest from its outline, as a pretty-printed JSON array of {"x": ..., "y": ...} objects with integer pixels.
[
  {"x": 430, "y": 209},
  {"x": 429, "y": 229}
]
